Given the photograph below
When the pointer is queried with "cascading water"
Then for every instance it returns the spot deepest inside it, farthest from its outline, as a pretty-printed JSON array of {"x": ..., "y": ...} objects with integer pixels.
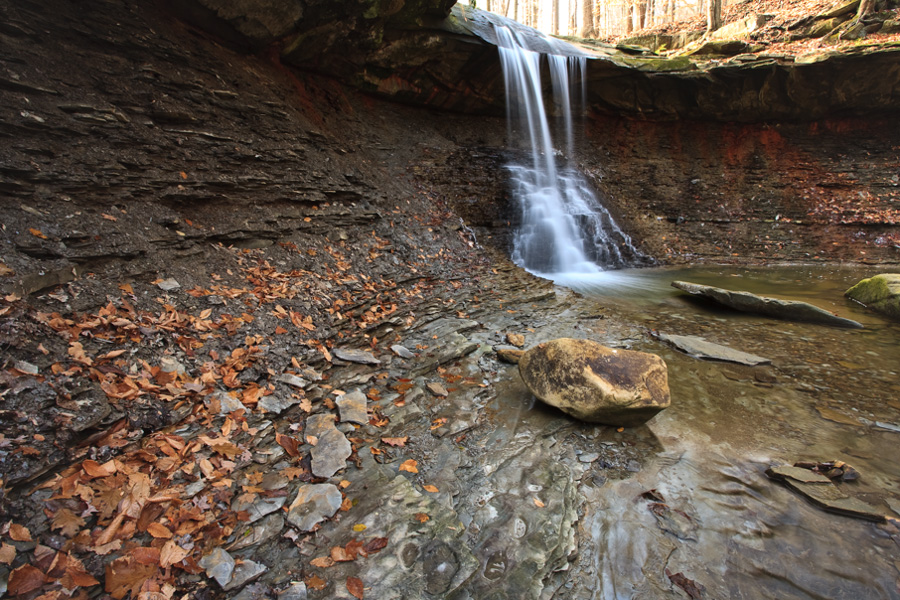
[{"x": 564, "y": 230}]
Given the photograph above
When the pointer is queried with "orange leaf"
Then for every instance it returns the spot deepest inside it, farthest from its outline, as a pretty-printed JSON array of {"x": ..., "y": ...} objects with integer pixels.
[
  {"x": 7, "y": 553},
  {"x": 339, "y": 554},
  {"x": 126, "y": 287},
  {"x": 355, "y": 587},
  {"x": 67, "y": 522},
  {"x": 421, "y": 517},
  {"x": 37, "y": 233},
  {"x": 125, "y": 575},
  {"x": 159, "y": 531},
  {"x": 323, "y": 562},
  {"x": 409, "y": 466},
  {"x": 315, "y": 582},
  {"x": 95, "y": 469},
  {"x": 430, "y": 488},
  {"x": 108, "y": 217},
  {"x": 19, "y": 533},
  {"x": 24, "y": 580},
  {"x": 538, "y": 503},
  {"x": 397, "y": 442}
]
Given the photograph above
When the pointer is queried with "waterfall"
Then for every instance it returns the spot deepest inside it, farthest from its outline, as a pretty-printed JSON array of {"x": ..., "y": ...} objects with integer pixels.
[{"x": 565, "y": 230}]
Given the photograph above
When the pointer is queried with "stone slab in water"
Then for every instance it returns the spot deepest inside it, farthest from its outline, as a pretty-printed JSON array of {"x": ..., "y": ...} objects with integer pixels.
[
  {"x": 790, "y": 310},
  {"x": 826, "y": 496},
  {"x": 700, "y": 348}
]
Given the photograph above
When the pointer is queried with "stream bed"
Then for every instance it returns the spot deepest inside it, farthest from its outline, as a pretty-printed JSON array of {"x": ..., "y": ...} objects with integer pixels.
[{"x": 715, "y": 517}]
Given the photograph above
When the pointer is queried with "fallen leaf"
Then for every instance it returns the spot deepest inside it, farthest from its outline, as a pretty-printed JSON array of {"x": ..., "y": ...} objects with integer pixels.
[
  {"x": 323, "y": 562},
  {"x": 24, "y": 580},
  {"x": 19, "y": 533},
  {"x": 37, "y": 233},
  {"x": 693, "y": 589},
  {"x": 108, "y": 217},
  {"x": 291, "y": 445},
  {"x": 421, "y": 517},
  {"x": 5, "y": 271},
  {"x": 359, "y": 527},
  {"x": 430, "y": 488},
  {"x": 409, "y": 466},
  {"x": 355, "y": 587},
  {"x": 375, "y": 545},
  {"x": 171, "y": 554},
  {"x": 159, "y": 531},
  {"x": 125, "y": 575},
  {"x": 339, "y": 554},
  {"x": 95, "y": 469},
  {"x": 538, "y": 503},
  {"x": 67, "y": 522},
  {"x": 7, "y": 553},
  {"x": 396, "y": 442},
  {"x": 315, "y": 582}
]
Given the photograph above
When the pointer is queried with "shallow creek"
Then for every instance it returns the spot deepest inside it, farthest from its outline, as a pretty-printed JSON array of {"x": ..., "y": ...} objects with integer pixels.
[{"x": 828, "y": 394}]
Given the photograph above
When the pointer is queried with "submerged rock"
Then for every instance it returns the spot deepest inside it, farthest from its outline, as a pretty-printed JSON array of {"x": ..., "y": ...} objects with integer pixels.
[
  {"x": 791, "y": 310},
  {"x": 700, "y": 348},
  {"x": 881, "y": 293},
  {"x": 597, "y": 384},
  {"x": 819, "y": 490}
]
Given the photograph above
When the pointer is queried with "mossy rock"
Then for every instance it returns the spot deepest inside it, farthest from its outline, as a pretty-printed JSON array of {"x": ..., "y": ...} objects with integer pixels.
[{"x": 880, "y": 293}]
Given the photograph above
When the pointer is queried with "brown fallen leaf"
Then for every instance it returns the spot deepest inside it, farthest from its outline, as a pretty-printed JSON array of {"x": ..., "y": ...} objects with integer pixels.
[
  {"x": 430, "y": 488},
  {"x": 19, "y": 533},
  {"x": 171, "y": 554},
  {"x": 339, "y": 554},
  {"x": 95, "y": 469},
  {"x": 323, "y": 562},
  {"x": 315, "y": 582},
  {"x": 37, "y": 233},
  {"x": 67, "y": 522},
  {"x": 24, "y": 580},
  {"x": 7, "y": 553},
  {"x": 421, "y": 517},
  {"x": 290, "y": 444},
  {"x": 538, "y": 503},
  {"x": 693, "y": 589},
  {"x": 108, "y": 217},
  {"x": 355, "y": 587},
  {"x": 125, "y": 575},
  {"x": 409, "y": 466},
  {"x": 159, "y": 531},
  {"x": 396, "y": 442}
]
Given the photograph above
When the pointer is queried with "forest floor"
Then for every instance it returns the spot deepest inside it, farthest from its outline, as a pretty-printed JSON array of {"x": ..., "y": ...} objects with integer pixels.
[{"x": 778, "y": 35}]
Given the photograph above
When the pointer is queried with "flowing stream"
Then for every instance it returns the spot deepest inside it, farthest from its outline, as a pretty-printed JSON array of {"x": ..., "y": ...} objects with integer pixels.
[
  {"x": 565, "y": 229},
  {"x": 828, "y": 394}
]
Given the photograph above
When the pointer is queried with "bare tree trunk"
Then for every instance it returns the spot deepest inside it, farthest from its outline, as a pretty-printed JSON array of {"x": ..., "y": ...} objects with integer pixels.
[
  {"x": 629, "y": 19},
  {"x": 865, "y": 7},
  {"x": 554, "y": 17},
  {"x": 713, "y": 15},
  {"x": 586, "y": 24}
]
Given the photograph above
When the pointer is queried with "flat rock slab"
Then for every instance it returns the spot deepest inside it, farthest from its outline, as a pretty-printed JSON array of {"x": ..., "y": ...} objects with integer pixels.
[
  {"x": 402, "y": 351},
  {"x": 258, "y": 507},
  {"x": 257, "y": 533},
  {"x": 700, "y": 348},
  {"x": 313, "y": 504},
  {"x": 317, "y": 425},
  {"x": 219, "y": 565},
  {"x": 363, "y": 357},
  {"x": 330, "y": 453},
  {"x": 790, "y": 310},
  {"x": 797, "y": 474},
  {"x": 352, "y": 407},
  {"x": 226, "y": 402},
  {"x": 244, "y": 573},
  {"x": 826, "y": 496}
]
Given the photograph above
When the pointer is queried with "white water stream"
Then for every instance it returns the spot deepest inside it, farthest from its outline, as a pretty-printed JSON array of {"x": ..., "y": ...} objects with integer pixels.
[{"x": 565, "y": 230}]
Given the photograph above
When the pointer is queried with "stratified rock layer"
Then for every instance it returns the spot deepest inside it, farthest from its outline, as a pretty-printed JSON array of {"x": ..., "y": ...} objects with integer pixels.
[{"x": 595, "y": 383}]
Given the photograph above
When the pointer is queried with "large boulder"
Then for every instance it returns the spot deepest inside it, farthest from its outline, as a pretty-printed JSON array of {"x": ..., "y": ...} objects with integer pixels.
[
  {"x": 880, "y": 293},
  {"x": 597, "y": 384}
]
